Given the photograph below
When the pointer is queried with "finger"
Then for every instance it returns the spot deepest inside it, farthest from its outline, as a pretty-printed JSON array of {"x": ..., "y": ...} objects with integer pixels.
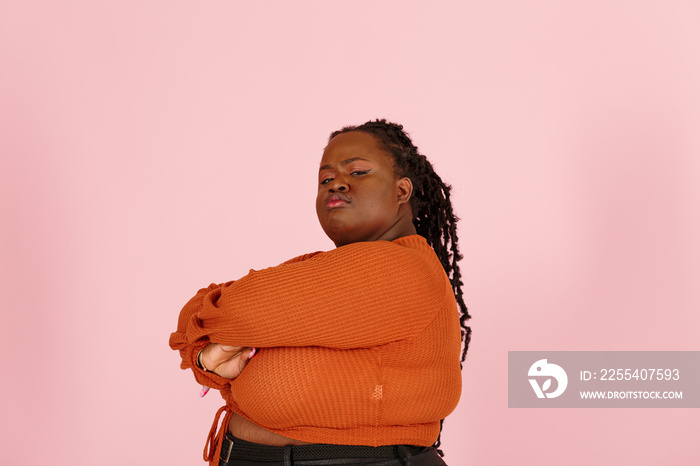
[
  {"x": 212, "y": 356},
  {"x": 231, "y": 349},
  {"x": 216, "y": 354},
  {"x": 246, "y": 356}
]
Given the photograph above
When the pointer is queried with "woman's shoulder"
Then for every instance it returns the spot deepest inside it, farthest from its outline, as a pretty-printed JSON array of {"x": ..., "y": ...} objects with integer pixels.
[
  {"x": 412, "y": 242},
  {"x": 302, "y": 258},
  {"x": 407, "y": 252},
  {"x": 372, "y": 253}
]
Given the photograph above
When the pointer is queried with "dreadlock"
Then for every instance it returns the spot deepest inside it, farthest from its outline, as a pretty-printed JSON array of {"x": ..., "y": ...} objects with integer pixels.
[{"x": 433, "y": 216}]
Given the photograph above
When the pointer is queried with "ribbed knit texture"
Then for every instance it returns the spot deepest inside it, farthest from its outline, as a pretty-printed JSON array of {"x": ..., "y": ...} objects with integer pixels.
[{"x": 358, "y": 346}]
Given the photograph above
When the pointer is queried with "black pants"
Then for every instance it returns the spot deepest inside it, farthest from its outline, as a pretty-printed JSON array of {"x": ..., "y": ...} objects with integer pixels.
[{"x": 236, "y": 452}]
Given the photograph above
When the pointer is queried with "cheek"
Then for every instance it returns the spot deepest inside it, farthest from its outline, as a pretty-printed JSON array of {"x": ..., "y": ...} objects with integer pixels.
[
  {"x": 319, "y": 205},
  {"x": 384, "y": 198}
]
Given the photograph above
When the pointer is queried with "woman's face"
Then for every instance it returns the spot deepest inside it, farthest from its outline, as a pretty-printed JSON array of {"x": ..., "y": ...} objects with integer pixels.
[{"x": 360, "y": 198}]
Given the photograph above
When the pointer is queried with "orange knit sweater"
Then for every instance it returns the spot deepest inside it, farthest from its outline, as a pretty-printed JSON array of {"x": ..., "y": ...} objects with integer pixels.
[{"x": 358, "y": 345}]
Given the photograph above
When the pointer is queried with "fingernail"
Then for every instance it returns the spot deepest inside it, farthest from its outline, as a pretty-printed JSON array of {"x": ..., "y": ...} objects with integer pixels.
[
  {"x": 204, "y": 391},
  {"x": 252, "y": 353}
]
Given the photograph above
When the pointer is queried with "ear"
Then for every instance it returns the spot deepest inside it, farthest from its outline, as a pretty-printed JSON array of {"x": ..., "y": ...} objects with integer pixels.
[{"x": 404, "y": 189}]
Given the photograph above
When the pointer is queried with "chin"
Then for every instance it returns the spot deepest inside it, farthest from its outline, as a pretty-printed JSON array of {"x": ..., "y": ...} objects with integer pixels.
[
  {"x": 338, "y": 232},
  {"x": 340, "y": 238}
]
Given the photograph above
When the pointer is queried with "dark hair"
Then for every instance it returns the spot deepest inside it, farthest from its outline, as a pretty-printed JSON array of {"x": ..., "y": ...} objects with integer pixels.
[{"x": 433, "y": 216}]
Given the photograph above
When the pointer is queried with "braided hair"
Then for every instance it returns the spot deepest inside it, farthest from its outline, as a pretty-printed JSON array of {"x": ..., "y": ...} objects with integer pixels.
[
  {"x": 433, "y": 216},
  {"x": 430, "y": 202}
]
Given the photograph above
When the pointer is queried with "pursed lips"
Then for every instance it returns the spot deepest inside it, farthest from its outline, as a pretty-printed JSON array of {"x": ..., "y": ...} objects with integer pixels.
[{"x": 336, "y": 200}]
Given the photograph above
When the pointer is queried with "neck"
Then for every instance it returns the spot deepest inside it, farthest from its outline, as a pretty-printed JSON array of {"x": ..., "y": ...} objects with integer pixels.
[
  {"x": 399, "y": 230},
  {"x": 403, "y": 226}
]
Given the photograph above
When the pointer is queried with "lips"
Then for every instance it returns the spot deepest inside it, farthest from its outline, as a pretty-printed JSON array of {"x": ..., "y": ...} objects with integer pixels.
[{"x": 336, "y": 200}]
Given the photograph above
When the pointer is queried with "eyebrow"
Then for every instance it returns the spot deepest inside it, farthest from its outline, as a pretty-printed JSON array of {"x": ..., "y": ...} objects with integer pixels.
[{"x": 344, "y": 162}]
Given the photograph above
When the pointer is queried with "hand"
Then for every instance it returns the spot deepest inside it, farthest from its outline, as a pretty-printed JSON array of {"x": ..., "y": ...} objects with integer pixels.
[{"x": 226, "y": 361}]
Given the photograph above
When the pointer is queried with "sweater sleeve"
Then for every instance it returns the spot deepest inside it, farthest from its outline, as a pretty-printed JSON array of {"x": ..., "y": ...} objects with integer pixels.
[
  {"x": 355, "y": 296},
  {"x": 190, "y": 350}
]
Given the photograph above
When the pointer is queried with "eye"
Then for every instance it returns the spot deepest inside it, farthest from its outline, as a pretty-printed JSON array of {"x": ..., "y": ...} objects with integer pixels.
[
  {"x": 326, "y": 181},
  {"x": 359, "y": 172}
]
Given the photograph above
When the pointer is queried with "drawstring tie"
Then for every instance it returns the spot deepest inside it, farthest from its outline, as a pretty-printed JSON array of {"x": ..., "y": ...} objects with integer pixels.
[{"x": 212, "y": 449}]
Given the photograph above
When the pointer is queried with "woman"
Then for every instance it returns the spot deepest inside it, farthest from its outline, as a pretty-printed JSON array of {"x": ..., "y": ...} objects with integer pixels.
[{"x": 359, "y": 347}]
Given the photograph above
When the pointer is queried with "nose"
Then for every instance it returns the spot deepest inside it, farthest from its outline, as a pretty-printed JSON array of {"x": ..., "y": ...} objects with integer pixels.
[{"x": 338, "y": 184}]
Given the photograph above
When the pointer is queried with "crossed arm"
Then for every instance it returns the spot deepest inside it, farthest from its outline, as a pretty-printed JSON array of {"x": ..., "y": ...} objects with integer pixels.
[{"x": 357, "y": 296}]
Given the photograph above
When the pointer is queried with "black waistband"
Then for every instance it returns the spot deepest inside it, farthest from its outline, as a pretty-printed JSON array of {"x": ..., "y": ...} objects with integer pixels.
[{"x": 233, "y": 447}]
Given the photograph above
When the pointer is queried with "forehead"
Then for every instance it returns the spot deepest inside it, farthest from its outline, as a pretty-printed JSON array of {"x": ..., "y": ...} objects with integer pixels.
[{"x": 354, "y": 144}]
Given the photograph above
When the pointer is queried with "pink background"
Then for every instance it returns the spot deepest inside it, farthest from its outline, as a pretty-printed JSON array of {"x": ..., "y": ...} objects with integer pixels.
[{"x": 150, "y": 148}]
